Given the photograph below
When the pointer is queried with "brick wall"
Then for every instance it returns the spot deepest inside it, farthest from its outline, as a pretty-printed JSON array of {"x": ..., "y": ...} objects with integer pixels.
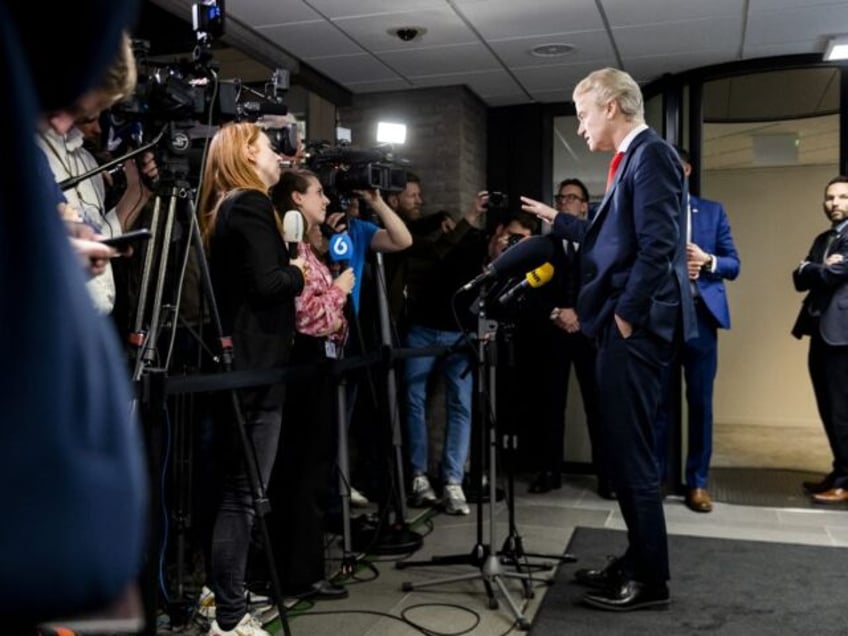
[{"x": 445, "y": 139}]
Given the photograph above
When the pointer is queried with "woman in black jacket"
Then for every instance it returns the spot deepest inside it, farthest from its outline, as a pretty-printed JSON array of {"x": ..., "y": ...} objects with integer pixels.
[{"x": 255, "y": 284}]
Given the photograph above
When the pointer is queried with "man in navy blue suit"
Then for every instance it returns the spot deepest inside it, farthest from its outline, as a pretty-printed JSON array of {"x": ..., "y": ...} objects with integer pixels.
[
  {"x": 823, "y": 274},
  {"x": 635, "y": 301},
  {"x": 711, "y": 258}
]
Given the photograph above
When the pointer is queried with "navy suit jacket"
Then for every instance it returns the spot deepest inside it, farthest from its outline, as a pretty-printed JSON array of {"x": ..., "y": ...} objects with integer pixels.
[
  {"x": 828, "y": 291},
  {"x": 633, "y": 252},
  {"x": 711, "y": 232}
]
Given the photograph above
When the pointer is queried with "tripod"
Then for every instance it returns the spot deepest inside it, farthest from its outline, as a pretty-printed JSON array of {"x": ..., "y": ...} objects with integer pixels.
[
  {"x": 392, "y": 535},
  {"x": 147, "y": 342},
  {"x": 482, "y": 556}
]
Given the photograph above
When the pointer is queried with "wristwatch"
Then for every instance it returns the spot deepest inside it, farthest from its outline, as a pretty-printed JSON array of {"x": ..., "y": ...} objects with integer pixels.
[{"x": 710, "y": 264}]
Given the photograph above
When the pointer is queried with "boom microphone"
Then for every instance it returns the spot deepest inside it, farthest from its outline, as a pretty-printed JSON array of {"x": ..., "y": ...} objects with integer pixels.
[
  {"x": 293, "y": 231},
  {"x": 535, "y": 278},
  {"x": 530, "y": 252}
]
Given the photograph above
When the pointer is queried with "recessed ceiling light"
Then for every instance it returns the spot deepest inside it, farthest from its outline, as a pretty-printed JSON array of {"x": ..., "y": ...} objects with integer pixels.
[{"x": 552, "y": 50}]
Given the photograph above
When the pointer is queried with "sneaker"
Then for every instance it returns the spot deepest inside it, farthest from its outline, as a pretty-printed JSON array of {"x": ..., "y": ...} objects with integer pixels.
[
  {"x": 454, "y": 500},
  {"x": 258, "y": 603},
  {"x": 206, "y": 603},
  {"x": 422, "y": 492},
  {"x": 248, "y": 626},
  {"x": 357, "y": 499}
]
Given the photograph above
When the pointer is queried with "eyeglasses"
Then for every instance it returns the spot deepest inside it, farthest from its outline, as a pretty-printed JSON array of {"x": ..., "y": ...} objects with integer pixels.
[{"x": 569, "y": 198}]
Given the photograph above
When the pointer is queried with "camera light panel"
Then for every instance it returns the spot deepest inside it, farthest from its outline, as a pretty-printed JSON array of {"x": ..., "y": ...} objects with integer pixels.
[{"x": 391, "y": 133}]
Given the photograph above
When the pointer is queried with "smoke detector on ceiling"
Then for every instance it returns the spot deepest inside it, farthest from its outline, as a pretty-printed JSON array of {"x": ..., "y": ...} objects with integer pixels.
[
  {"x": 552, "y": 50},
  {"x": 408, "y": 33}
]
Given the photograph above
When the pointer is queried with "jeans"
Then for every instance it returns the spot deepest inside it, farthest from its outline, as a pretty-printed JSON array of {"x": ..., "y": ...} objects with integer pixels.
[
  {"x": 232, "y": 532},
  {"x": 459, "y": 382}
]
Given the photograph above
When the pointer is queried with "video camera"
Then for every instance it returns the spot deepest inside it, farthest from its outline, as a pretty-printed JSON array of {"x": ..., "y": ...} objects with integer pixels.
[
  {"x": 341, "y": 170},
  {"x": 185, "y": 100}
]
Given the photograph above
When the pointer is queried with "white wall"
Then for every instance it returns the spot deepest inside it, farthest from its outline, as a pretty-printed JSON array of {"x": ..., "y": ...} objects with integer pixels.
[{"x": 774, "y": 213}]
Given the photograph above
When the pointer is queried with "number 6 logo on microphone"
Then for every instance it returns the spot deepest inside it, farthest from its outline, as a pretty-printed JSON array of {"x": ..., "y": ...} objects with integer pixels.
[{"x": 340, "y": 247}]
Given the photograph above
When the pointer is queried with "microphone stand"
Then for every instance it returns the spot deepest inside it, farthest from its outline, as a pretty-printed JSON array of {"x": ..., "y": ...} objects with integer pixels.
[
  {"x": 482, "y": 556},
  {"x": 512, "y": 551}
]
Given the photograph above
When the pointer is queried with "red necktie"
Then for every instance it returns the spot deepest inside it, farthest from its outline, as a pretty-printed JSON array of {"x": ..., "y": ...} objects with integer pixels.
[{"x": 613, "y": 168}]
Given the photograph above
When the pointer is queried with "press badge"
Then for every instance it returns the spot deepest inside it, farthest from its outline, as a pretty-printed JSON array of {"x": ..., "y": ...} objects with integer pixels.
[{"x": 330, "y": 349}]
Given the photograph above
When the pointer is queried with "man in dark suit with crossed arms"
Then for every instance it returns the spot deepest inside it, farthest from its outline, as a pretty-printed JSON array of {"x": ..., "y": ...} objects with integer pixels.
[
  {"x": 635, "y": 301},
  {"x": 824, "y": 317}
]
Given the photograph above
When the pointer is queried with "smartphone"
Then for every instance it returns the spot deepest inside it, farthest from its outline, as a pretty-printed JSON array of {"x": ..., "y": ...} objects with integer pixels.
[{"x": 127, "y": 238}]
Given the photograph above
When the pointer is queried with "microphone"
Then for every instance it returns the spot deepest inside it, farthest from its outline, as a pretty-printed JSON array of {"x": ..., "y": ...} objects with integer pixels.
[
  {"x": 341, "y": 249},
  {"x": 530, "y": 252},
  {"x": 535, "y": 278},
  {"x": 293, "y": 230}
]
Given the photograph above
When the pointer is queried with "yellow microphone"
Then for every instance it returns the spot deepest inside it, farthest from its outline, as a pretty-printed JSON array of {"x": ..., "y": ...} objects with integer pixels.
[{"x": 534, "y": 278}]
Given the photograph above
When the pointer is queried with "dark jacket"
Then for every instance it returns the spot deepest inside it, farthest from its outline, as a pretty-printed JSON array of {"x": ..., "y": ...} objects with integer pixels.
[
  {"x": 254, "y": 285},
  {"x": 633, "y": 254},
  {"x": 424, "y": 278},
  {"x": 825, "y": 307}
]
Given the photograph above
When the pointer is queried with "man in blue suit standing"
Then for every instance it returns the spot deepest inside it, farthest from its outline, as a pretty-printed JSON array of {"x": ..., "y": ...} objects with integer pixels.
[
  {"x": 635, "y": 301},
  {"x": 711, "y": 258}
]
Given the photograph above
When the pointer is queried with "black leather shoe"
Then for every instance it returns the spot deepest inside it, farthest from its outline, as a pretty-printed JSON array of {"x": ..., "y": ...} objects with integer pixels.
[
  {"x": 817, "y": 487},
  {"x": 603, "y": 578},
  {"x": 322, "y": 590},
  {"x": 629, "y": 596},
  {"x": 545, "y": 482},
  {"x": 605, "y": 491},
  {"x": 541, "y": 484}
]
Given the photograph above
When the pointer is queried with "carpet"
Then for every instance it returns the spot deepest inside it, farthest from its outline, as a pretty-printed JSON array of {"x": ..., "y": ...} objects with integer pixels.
[
  {"x": 775, "y": 487},
  {"x": 718, "y": 586}
]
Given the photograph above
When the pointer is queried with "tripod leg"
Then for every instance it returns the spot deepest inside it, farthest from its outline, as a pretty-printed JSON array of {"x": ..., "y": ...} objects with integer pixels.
[
  {"x": 348, "y": 558},
  {"x": 521, "y": 620}
]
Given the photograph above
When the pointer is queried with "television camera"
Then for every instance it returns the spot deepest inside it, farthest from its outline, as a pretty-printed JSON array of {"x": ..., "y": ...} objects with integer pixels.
[
  {"x": 181, "y": 101},
  {"x": 342, "y": 170}
]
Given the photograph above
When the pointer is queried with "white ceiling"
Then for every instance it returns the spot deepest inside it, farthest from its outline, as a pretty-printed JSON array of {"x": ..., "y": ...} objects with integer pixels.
[{"x": 486, "y": 44}]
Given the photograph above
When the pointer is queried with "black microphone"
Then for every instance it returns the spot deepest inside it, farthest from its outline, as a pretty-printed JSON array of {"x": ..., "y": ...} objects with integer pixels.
[
  {"x": 530, "y": 252},
  {"x": 293, "y": 231},
  {"x": 535, "y": 278}
]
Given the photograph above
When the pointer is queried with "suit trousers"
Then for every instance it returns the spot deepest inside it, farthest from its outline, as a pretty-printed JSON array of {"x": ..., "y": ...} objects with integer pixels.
[
  {"x": 562, "y": 351},
  {"x": 629, "y": 375},
  {"x": 828, "y": 367},
  {"x": 699, "y": 358}
]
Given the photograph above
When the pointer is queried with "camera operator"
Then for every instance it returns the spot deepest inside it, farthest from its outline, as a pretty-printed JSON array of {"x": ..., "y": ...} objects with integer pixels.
[
  {"x": 444, "y": 254},
  {"x": 394, "y": 236},
  {"x": 68, "y": 158},
  {"x": 366, "y": 238}
]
